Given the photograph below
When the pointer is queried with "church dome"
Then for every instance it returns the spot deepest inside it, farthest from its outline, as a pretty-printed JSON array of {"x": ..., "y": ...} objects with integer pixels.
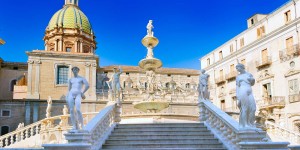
[{"x": 71, "y": 17}]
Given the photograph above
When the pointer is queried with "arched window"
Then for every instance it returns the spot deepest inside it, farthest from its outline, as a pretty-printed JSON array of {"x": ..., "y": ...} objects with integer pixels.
[
  {"x": 12, "y": 84},
  {"x": 167, "y": 85},
  {"x": 146, "y": 85},
  {"x": 4, "y": 130}
]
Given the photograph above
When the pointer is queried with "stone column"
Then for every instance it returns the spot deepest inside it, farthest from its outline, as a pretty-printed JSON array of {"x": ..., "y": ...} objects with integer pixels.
[
  {"x": 81, "y": 46},
  {"x": 61, "y": 45},
  {"x": 76, "y": 46},
  {"x": 27, "y": 113},
  {"x": 56, "y": 45},
  {"x": 29, "y": 81},
  {"x": 93, "y": 81},
  {"x": 37, "y": 79}
]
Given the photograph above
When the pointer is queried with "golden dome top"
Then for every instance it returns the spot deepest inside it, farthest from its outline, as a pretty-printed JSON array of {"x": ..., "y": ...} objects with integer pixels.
[{"x": 70, "y": 16}]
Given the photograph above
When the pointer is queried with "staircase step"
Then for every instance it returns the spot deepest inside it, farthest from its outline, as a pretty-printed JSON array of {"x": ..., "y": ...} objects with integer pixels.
[
  {"x": 159, "y": 129},
  {"x": 175, "y": 133},
  {"x": 163, "y": 125},
  {"x": 155, "y": 136},
  {"x": 164, "y": 148},
  {"x": 146, "y": 145},
  {"x": 165, "y": 141}
]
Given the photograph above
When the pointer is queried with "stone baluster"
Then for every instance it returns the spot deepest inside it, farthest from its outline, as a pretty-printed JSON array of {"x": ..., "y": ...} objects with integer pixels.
[
  {"x": 22, "y": 135},
  {"x": 18, "y": 137},
  {"x": 1, "y": 143},
  {"x": 26, "y": 134},
  {"x": 32, "y": 131},
  {"x": 12, "y": 139},
  {"x": 6, "y": 141}
]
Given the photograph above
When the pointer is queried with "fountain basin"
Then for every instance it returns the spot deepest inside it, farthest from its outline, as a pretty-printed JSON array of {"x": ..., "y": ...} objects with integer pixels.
[
  {"x": 150, "y": 64},
  {"x": 151, "y": 106},
  {"x": 149, "y": 41}
]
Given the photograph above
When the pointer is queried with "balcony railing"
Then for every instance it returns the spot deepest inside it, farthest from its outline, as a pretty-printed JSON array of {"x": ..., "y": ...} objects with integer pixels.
[
  {"x": 231, "y": 75},
  {"x": 294, "y": 98},
  {"x": 275, "y": 101},
  {"x": 220, "y": 80},
  {"x": 264, "y": 62},
  {"x": 289, "y": 53}
]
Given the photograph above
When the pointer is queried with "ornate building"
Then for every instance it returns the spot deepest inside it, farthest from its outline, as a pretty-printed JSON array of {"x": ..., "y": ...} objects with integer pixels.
[{"x": 269, "y": 49}]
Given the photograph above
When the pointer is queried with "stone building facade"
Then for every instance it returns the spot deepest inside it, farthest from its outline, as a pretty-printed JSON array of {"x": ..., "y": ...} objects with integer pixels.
[{"x": 269, "y": 49}]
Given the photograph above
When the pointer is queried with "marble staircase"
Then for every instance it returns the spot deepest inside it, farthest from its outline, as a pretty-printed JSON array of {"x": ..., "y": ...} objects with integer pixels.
[{"x": 162, "y": 136}]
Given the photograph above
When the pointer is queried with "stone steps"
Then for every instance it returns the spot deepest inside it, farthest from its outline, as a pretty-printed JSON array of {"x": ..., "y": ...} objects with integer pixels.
[{"x": 175, "y": 136}]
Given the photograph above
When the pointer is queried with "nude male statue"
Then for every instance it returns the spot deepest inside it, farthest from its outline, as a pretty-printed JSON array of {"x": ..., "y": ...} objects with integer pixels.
[
  {"x": 114, "y": 83},
  {"x": 203, "y": 85},
  {"x": 74, "y": 97}
]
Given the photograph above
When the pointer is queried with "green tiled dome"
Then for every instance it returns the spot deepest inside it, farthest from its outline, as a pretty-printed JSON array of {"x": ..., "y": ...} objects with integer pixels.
[{"x": 70, "y": 17}]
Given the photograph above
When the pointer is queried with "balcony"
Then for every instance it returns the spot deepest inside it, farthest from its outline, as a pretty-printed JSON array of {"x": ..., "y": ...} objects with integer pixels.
[
  {"x": 231, "y": 75},
  {"x": 220, "y": 80},
  {"x": 289, "y": 53},
  {"x": 232, "y": 110},
  {"x": 264, "y": 62},
  {"x": 294, "y": 98},
  {"x": 275, "y": 101}
]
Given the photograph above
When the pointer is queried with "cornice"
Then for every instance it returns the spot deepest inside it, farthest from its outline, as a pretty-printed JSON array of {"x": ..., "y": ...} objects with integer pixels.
[{"x": 40, "y": 53}]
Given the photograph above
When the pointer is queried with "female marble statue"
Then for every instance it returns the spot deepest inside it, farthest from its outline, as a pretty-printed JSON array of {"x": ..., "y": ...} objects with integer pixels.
[{"x": 246, "y": 102}]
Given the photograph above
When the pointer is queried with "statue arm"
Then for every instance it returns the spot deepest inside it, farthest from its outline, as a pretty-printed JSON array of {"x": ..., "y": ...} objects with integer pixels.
[
  {"x": 86, "y": 85},
  {"x": 121, "y": 71}
]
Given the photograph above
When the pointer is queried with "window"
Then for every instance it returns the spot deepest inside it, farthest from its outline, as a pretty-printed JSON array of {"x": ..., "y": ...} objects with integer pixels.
[
  {"x": 287, "y": 16},
  {"x": 221, "y": 74},
  {"x": 127, "y": 73},
  {"x": 5, "y": 113},
  {"x": 264, "y": 55},
  {"x": 68, "y": 49},
  {"x": 220, "y": 55},
  {"x": 252, "y": 21},
  {"x": 289, "y": 45},
  {"x": 231, "y": 68},
  {"x": 243, "y": 61},
  {"x": 267, "y": 94},
  {"x": 242, "y": 42},
  {"x": 4, "y": 130},
  {"x": 293, "y": 87},
  {"x": 62, "y": 75},
  {"x": 223, "y": 105},
  {"x": 231, "y": 48},
  {"x": 188, "y": 76},
  {"x": 12, "y": 84},
  {"x": 208, "y": 61},
  {"x": 260, "y": 31},
  {"x": 169, "y": 75}
]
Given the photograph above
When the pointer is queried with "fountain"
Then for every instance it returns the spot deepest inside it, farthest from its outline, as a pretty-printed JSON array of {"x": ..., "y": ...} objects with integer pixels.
[{"x": 150, "y": 64}]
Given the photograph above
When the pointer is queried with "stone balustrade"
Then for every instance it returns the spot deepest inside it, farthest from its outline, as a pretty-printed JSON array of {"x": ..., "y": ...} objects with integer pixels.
[
  {"x": 20, "y": 134},
  {"x": 50, "y": 130},
  {"x": 278, "y": 133},
  {"x": 94, "y": 134},
  {"x": 227, "y": 130},
  {"x": 289, "y": 53},
  {"x": 265, "y": 61}
]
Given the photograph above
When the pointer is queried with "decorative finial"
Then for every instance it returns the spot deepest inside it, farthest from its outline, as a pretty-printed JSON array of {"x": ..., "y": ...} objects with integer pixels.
[
  {"x": 71, "y": 2},
  {"x": 149, "y": 29}
]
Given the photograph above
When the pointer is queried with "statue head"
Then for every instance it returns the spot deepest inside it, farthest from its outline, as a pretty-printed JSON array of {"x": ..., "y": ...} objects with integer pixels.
[
  {"x": 115, "y": 69},
  {"x": 75, "y": 70},
  {"x": 202, "y": 71},
  {"x": 240, "y": 67}
]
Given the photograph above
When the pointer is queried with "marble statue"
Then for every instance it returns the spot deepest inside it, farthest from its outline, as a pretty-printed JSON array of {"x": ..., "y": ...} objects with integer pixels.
[
  {"x": 65, "y": 110},
  {"x": 203, "y": 86},
  {"x": 49, "y": 106},
  {"x": 149, "y": 29},
  {"x": 114, "y": 83},
  {"x": 245, "y": 98},
  {"x": 20, "y": 125},
  {"x": 74, "y": 97},
  {"x": 151, "y": 80}
]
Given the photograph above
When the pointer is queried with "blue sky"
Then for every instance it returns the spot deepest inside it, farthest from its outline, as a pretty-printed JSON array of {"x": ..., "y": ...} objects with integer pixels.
[{"x": 186, "y": 29}]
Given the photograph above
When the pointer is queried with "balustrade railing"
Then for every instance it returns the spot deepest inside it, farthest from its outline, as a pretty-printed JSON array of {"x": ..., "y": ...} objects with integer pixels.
[
  {"x": 289, "y": 53},
  {"x": 231, "y": 75},
  {"x": 220, "y": 80},
  {"x": 263, "y": 62},
  {"x": 39, "y": 127},
  {"x": 275, "y": 101},
  {"x": 278, "y": 133},
  {"x": 226, "y": 129},
  {"x": 294, "y": 98}
]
